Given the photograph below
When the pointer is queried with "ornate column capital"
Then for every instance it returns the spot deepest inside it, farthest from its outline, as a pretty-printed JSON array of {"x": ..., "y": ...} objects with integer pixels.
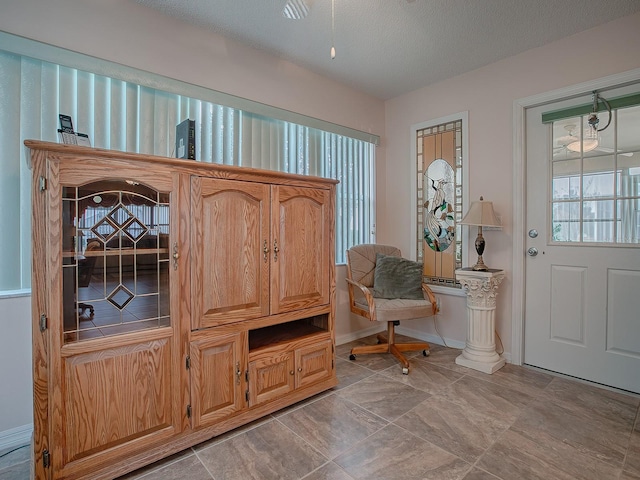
[{"x": 481, "y": 287}]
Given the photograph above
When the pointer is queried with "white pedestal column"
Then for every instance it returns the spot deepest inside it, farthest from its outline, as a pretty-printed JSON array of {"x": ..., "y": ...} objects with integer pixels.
[{"x": 481, "y": 289}]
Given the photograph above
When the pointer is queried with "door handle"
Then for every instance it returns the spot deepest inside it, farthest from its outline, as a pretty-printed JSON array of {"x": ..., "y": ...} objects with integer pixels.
[{"x": 532, "y": 252}]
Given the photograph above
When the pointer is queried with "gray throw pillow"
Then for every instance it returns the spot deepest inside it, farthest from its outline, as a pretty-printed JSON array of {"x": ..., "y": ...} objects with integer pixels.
[{"x": 397, "y": 277}]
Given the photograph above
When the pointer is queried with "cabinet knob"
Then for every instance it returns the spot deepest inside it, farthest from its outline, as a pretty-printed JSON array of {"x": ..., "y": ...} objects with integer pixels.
[
  {"x": 292, "y": 372},
  {"x": 265, "y": 251},
  {"x": 300, "y": 369},
  {"x": 275, "y": 250}
]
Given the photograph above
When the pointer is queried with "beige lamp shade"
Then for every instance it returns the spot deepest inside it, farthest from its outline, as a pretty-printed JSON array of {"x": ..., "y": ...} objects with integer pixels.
[{"x": 481, "y": 213}]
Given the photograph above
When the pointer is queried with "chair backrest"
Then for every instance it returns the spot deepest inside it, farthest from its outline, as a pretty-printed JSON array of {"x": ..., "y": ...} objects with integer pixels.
[{"x": 361, "y": 261}]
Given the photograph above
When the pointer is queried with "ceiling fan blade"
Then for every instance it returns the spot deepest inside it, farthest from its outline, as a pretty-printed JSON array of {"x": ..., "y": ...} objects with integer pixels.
[
  {"x": 296, "y": 9},
  {"x": 610, "y": 150}
]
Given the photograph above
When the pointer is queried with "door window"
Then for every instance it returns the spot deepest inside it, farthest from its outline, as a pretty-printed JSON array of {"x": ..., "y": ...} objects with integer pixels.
[{"x": 595, "y": 177}]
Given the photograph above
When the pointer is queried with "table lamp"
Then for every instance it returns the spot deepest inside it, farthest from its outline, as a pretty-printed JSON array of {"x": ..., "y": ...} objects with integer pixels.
[{"x": 481, "y": 214}]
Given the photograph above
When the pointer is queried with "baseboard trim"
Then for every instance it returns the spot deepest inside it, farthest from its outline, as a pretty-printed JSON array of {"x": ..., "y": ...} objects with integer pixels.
[
  {"x": 16, "y": 437},
  {"x": 430, "y": 338},
  {"x": 350, "y": 337},
  {"x": 427, "y": 337}
]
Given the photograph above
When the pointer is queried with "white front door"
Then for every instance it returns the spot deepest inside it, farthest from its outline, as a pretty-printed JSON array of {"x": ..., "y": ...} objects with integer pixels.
[{"x": 582, "y": 268}]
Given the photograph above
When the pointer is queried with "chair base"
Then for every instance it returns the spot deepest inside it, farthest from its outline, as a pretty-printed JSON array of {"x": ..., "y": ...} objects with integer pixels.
[
  {"x": 387, "y": 344},
  {"x": 83, "y": 307}
]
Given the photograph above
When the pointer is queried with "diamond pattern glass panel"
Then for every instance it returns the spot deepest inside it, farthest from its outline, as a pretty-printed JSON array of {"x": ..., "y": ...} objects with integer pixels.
[
  {"x": 116, "y": 268},
  {"x": 120, "y": 215},
  {"x": 135, "y": 230},
  {"x": 120, "y": 297}
]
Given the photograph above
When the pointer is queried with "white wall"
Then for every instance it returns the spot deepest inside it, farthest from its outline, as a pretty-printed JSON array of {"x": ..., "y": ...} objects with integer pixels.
[
  {"x": 16, "y": 396},
  {"x": 488, "y": 95}
]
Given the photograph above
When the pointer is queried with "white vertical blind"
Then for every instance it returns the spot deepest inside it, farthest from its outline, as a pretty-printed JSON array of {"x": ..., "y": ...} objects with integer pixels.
[{"x": 122, "y": 115}]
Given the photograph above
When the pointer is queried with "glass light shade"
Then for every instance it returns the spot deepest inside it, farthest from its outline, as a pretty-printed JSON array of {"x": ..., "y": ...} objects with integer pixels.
[
  {"x": 588, "y": 145},
  {"x": 589, "y": 142}
]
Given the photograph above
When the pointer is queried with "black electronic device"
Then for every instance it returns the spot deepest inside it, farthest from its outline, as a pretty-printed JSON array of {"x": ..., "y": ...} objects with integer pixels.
[{"x": 66, "y": 133}]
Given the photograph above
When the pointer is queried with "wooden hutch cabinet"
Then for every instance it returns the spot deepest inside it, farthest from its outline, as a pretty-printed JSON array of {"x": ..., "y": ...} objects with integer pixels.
[{"x": 172, "y": 301}]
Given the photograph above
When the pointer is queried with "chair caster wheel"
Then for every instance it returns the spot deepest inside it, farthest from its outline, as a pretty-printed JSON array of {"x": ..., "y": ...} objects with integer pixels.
[
  {"x": 405, "y": 371},
  {"x": 426, "y": 353},
  {"x": 352, "y": 357}
]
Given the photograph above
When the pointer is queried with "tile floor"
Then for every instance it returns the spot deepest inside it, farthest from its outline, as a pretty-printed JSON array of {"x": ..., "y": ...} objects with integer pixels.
[{"x": 442, "y": 421}]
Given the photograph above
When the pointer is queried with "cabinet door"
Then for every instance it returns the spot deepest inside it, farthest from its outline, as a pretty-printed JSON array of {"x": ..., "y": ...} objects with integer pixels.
[
  {"x": 230, "y": 243},
  {"x": 313, "y": 363},
  {"x": 302, "y": 227},
  {"x": 217, "y": 371},
  {"x": 113, "y": 331},
  {"x": 270, "y": 377}
]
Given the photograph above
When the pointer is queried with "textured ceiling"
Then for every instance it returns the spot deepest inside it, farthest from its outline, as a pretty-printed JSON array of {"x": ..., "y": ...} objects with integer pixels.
[{"x": 389, "y": 47}]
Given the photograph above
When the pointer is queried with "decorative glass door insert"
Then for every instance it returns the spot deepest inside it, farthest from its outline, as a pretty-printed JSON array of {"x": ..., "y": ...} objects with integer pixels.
[{"x": 115, "y": 259}]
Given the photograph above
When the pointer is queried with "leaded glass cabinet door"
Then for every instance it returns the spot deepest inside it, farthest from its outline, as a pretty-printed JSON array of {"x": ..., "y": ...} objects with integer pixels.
[{"x": 114, "y": 361}]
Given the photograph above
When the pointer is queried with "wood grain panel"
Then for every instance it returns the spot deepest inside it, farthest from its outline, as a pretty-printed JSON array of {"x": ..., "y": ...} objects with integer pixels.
[
  {"x": 313, "y": 363},
  {"x": 114, "y": 396},
  {"x": 231, "y": 229},
  {"x": 300, "y": 272},
  {"x": 217, "y": 376},
  {"x": 39, "y": 306},
  {"x": 271, "y": 377}
]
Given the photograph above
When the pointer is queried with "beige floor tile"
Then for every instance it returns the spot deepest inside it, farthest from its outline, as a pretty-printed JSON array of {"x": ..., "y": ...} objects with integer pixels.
[
  {"x": 383, "y": 396},
  {"x": 514, "y": 456},
  {"x": 394, "y": 454},
  {"x": 268, "y": 452},
  {"x": 332, "y": 424},
  {"x": 425, "y": 376},
  {"x": 445, "y": 357},
  {"x": 159, "y": 465},
  {"x": 187, "y": 468},
  {"x": 477, "y": 474},
  {"x": 589, "y": 400},
  {"x": 329, "y": 471},
  {"x": 466, "y": 418},
  {"x": 546, "y": 421},
  {"x": 632, "y": 462},
  {"x": 232, "y": 433},
  {"x": 349, "y": 372},
  {"x": 523, "y": 379}
]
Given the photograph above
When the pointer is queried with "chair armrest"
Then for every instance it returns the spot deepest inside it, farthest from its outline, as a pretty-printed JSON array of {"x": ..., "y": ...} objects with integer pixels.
[
  {"x": 432, "y": 298},
  {"x": 366, "y": 292}
]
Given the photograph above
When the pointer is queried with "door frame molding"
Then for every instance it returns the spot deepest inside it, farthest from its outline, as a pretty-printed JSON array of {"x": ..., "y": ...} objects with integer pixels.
[{"x": 520, "y": 107}]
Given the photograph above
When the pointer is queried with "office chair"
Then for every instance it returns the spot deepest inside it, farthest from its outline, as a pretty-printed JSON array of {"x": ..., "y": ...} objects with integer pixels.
[{"x": 372, "y": 292}]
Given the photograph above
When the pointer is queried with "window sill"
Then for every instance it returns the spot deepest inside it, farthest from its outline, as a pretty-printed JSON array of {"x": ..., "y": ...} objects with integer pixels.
[{"x": 454, "y": 292}]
